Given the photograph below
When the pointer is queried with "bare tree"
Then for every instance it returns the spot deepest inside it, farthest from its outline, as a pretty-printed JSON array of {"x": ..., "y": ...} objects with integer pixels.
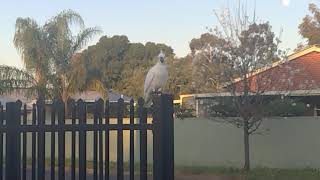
[{"x": 246, "y": 62}]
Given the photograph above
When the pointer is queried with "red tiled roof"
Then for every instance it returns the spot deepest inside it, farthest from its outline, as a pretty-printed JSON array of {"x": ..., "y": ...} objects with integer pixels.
[{"x": 301, "y": 72}]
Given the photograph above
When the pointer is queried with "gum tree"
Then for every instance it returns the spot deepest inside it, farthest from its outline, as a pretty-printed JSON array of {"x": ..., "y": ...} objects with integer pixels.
[{"x": 309, "y": 27}]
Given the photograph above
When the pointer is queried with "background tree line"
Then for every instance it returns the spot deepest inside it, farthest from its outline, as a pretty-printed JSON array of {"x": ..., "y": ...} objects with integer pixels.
[{"x": 54, "y": 59}]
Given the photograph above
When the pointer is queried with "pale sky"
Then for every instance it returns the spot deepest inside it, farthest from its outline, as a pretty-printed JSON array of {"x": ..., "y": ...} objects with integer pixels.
[{"x": 173, "y": 22}]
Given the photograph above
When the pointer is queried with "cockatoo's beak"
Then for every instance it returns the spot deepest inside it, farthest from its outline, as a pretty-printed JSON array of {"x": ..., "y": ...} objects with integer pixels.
[{"x": 161, "y": 59}]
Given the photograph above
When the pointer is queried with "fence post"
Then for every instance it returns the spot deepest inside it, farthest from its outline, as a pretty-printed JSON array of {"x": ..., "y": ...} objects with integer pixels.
[
  {"x": 163, "y": 137},
  {"x": 157, "y": 163},
  {"x": 73, "y": 108},
  {"x": 120, "y": 140},
  {"x": 131, "y": 156},
  {"x": 100, "y": 109},
  {"x": 143, "y": 139},
  {"x": 12, "y": 141},
  {"x": 106, "y": 141},
  {"x": 167, "y": 139},
  {"x": 1, "y": 141},
  {"x": 60, "y": 107},
  {"x": 82, "y": 114},
  {"x": 41, "y": 138}
]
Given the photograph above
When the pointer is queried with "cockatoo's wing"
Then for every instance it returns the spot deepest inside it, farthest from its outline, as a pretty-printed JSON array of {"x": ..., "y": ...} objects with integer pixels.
[
  {"x": 149, "y": 81},
  {"x": 148, "y": 86},
  {"x": 156, "y": 79}
]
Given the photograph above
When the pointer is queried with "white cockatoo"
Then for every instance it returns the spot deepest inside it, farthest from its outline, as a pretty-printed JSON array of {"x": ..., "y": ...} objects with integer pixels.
[{"x": 156, "y": 79}]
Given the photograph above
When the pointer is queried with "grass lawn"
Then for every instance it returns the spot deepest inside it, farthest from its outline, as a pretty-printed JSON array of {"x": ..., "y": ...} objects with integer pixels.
[
  {"x": 217, "y": 173},
  {"x": 207, "y": 173}
]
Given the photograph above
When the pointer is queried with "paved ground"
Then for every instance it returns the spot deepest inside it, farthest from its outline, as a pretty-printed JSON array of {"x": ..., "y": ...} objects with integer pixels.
[
  {"x": 89, "y": 176},
  {"x": 178, "y": 177}
]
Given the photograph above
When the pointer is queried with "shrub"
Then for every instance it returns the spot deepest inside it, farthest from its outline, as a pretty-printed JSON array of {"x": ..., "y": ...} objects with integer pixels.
[
  {"x": 182, "y": 112},
  {"x": 285, "y": 108},
  {"x": 225, "y": 107}
]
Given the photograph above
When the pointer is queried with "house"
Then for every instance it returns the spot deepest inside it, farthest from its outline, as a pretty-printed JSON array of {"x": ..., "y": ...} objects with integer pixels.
[
  {"x": 19, "y": 94},
  {"x": 297, "y": 77},
  {"x": 91, "y": 96}
]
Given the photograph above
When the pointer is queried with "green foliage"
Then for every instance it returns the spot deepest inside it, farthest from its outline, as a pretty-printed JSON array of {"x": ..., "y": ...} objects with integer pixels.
[
  {"x": 254, "y": 174},
  {"x": 309, "y": 28},
  {"x": 64, "y": 44},
  {"x": 51, "y": 54},
  {"x": 180, "y": 76},
  {"x": 182, "y": 112},
  {"x": 206, "y": 72},
  {"x": 226, "y": 107},
  {"x": 122, "y": 65},
  {"x": 285, "y": 108},
  {"x": 47, "y": 52},
  {"x": 206, "y": 39},
  {"x": 283, "y": 174},
  {"x": 30, "y": 41},
  {"x": 223, "y": 107}
]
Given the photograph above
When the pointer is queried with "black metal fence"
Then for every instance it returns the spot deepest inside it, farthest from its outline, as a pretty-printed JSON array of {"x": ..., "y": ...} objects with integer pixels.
[{"x": 16, "y": 165}]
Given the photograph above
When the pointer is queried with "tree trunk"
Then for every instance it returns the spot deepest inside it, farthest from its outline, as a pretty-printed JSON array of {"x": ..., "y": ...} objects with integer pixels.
[
  {"x": 65, "y": 98},
  {"x": 65, "y": 94},
  {"x": 246, "y": 146},
  {"x": 41, "y": 85}
]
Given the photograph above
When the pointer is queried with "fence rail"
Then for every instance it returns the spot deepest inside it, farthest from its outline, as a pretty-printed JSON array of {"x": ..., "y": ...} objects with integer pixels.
[{"x": 14, "y": 127}]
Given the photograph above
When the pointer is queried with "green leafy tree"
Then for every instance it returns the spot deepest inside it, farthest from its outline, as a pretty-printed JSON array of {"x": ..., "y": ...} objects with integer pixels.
[
  {"x": 180, "y": 76},
  {"x": 122, "y": 65},
  {"x": 310, "y": 26},
  {"x": 137, "y": 65},
  {"x": 206, "y": 74},
  {"x": 106, "y": 58}
]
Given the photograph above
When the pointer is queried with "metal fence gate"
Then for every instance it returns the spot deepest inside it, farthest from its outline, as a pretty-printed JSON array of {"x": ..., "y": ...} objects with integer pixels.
[{"x": 14, "y": 126}]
